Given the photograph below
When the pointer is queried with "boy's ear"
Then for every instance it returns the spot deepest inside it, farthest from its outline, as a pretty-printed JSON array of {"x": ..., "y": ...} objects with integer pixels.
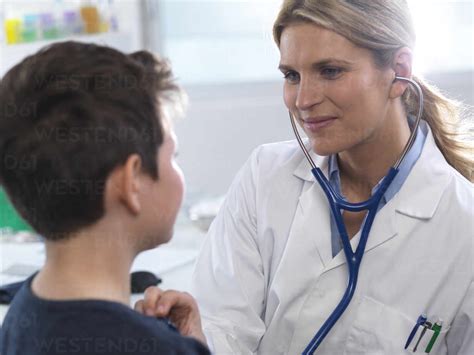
[
  {"x": 126, "y": 183},
  {"x": 401, "y": 66}
]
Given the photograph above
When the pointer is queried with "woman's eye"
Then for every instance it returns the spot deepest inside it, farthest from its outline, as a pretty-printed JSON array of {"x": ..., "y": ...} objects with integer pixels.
[
  {"x": 291, "y": 77},
  {"x": 330, "y": 72}
]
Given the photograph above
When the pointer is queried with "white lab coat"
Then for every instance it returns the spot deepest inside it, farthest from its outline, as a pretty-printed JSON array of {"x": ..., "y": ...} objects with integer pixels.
[{"x": 266, "y": 280}]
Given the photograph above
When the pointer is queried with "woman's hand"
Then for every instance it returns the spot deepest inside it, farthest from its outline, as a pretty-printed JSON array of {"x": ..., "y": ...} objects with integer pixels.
[{"x": 179, "y": 307}]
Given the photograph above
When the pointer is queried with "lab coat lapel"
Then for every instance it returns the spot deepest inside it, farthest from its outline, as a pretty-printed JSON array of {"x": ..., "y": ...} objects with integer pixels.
[{"x": 313, "y": 210}]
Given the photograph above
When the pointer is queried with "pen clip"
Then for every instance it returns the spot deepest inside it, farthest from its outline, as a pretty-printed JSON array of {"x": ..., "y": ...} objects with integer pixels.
[
  {"x": 426, "y": 326},
  {"x": 420, "y": 321},
  {"x": 436, "y": 329}
]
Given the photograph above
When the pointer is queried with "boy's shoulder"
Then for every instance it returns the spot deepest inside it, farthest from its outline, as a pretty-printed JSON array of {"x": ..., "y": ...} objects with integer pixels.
[{"x": 36, "y": 326}]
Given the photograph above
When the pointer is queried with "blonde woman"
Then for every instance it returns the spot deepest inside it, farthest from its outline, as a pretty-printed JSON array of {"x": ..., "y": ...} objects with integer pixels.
[{"x": 271, "y": 270}]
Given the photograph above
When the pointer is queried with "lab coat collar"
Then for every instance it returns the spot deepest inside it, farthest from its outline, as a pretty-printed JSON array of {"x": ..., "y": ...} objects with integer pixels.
[
  {"x": 421, "y": 193},
  {"x": 418, "y": 198},
  {"x": 303, "y": 170}
]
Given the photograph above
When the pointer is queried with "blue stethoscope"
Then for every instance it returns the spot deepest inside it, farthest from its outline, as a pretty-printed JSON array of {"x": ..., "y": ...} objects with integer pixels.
[{"x": 337, "y": 203}]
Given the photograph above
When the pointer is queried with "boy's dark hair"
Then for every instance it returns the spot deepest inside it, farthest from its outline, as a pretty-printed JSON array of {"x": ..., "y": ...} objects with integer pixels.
[{"x": 69, "y": 115}]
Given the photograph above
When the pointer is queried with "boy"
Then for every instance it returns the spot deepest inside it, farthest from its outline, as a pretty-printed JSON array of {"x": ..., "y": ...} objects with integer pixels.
[{"x": 99, "y": 183}]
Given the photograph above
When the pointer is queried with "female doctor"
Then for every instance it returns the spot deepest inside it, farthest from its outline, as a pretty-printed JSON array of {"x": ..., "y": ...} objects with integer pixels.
[{"x": 271, "y": 269}]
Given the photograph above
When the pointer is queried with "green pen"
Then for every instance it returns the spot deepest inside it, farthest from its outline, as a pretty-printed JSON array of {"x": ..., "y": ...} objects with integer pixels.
[{"x": 437, "y": 329}]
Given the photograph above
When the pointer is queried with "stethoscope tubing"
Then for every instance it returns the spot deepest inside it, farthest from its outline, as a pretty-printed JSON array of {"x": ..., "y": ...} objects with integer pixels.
[
  {"x": 336, "y": 203},
  {"x": 354, "y": 259}
]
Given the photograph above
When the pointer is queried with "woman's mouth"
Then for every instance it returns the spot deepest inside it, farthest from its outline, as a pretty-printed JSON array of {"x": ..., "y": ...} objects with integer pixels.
[{"x": 317, "y": 123}]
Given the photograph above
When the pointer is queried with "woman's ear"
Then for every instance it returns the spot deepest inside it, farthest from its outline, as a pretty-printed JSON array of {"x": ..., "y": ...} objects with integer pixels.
[{"x": 401, "y": 66}]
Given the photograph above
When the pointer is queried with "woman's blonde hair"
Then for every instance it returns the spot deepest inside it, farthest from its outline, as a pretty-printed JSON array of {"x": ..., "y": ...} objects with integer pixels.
[{"x": 383, "y": 27}]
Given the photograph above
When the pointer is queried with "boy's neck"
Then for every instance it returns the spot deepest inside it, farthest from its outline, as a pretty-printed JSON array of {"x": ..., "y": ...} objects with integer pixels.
[{"x": 93, "y": 264}]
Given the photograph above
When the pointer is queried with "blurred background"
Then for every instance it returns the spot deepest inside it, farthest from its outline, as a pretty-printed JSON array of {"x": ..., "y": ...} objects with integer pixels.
[{"x": 223, "y": 54}]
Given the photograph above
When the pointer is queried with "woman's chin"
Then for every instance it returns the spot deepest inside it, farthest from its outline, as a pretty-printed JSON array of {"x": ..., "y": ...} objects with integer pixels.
[{"x": 322, "y": 149}]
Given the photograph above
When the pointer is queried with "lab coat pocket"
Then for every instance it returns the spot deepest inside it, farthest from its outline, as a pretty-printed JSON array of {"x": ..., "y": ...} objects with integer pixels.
[{"x": 378, "y": 329}]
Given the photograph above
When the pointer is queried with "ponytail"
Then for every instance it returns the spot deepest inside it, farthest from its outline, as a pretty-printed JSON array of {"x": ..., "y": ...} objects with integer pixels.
[{"x": 451, "y": 133}]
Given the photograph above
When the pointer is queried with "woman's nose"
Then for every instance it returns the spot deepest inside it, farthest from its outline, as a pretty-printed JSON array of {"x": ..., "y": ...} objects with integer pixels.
[{"x": 309, "y": 93}]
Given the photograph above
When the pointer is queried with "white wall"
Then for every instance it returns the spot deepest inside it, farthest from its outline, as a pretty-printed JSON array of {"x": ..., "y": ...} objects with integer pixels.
[{"x": 223, "y": 125}]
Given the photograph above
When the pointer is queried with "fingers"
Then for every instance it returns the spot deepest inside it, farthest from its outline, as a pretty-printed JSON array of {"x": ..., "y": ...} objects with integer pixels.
[
  {"x": 158, "y": 303},
  {"x": 139, "y": 307},
  {"x": 151, "y": 298},
  {"x": 182, "y": 310},
  {"x": 179, "y": 307},
  {"x": 170, "y": 300}
]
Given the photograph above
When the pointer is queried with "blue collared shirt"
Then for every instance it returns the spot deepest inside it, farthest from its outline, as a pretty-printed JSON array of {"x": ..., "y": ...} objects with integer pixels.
[{"x": 404, "y": 169}]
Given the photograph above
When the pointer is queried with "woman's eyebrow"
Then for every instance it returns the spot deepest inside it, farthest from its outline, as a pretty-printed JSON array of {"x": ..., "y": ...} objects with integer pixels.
[
  {"x": 319, "y": 64},
  {"x": 329, "y": 61}
]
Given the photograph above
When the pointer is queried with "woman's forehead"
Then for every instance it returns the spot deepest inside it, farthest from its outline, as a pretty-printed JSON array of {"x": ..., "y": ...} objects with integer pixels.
[
  {"x": 312, "y": 35},
  {"x": 302, "y": 40}
]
